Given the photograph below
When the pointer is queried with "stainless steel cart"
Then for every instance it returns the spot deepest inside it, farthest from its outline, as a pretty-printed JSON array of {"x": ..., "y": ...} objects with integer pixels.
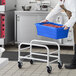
[{"x": 48, "y": 54}]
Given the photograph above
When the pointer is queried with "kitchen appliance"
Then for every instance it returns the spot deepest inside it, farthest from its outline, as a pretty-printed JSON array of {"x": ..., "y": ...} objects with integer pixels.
[
  {"x": 43, "y": 5},
  {"x": 26, "y": 8}
]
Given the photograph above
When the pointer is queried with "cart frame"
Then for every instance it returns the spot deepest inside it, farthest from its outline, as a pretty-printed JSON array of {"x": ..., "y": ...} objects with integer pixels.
[{"x": 48, "y": 54}]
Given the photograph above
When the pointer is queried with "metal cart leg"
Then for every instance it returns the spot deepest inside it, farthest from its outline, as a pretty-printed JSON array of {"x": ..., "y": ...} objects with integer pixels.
[
  {"x": 59, "y": 53},
  {"x": 19, "y": 60},
  {"x": 20, "y": 64},
  {"x": 48, "y": 57},
  {"x": 19, "y": 53},
  {"x": 60, "y": 63},
  {"x": 31, "y": 61},
  {"x": 30, "y": 50}
]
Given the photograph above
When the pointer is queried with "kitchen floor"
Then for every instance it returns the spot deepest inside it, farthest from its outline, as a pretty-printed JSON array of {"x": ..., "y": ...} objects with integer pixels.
[{"x": 37, "y": 69}]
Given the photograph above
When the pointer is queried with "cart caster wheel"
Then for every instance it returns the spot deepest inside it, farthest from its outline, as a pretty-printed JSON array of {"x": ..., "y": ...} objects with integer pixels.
[
  {"x": 49, "y": 69},
  {"x": 60, "y": 64},
  {"x": 31, "y": 61},
  {"x": 20, "y": 65}
]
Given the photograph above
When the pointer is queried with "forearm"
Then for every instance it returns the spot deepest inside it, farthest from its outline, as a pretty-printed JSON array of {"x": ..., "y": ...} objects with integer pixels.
[
  {"x": 63, "y": 7},
  {"x": 55, "y": 11},
  {"x": 71, "y": 21}
]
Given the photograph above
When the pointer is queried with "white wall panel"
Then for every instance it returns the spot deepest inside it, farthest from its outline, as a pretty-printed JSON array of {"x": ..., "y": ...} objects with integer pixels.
[
  {"x": 25, "y": 2},
  {"x": 21, "y": 3}
]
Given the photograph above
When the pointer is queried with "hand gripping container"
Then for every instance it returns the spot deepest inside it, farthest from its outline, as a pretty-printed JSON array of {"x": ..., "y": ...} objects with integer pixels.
[{"x": 51, "y": 32}]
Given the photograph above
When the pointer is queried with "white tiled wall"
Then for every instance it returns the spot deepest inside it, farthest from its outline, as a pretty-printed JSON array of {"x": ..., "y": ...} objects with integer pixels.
[
  {"x": 24, "y": 2},
  {"x": 21, "y": 3},
  {"x": 53, "y": 2}
]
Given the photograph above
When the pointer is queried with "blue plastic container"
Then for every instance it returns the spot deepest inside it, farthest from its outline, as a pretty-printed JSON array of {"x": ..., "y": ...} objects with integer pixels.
[{"x": 51, "y": 32}]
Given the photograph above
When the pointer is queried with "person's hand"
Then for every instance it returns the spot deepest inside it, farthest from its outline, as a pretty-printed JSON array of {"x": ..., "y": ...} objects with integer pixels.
[
  {"x": 65, "y": 27},
  {"x": 44, "y": 21}
]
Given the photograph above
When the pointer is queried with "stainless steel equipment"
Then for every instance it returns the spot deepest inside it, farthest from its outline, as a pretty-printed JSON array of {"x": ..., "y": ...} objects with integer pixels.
[
  {"x": 23, "y": 26},
  {"x": 43, "y": 5},
  {"x": 40, "y": 5},
  {"x": 26, "y": 8}
]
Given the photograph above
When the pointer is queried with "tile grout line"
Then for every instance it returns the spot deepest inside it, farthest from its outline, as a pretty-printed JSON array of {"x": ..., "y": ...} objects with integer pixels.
[
  {"x": 16, "y": 71},
  {"x": 25, "y": 70},
  {"x": 9, "y": 69},
  {"x": 3, "y": 68},
  {"x": 46, "y": 68},
  {"x": 60, "y": 72},
  {"x": 36, "y": 68},
  {"x": 68, "y": 73}
]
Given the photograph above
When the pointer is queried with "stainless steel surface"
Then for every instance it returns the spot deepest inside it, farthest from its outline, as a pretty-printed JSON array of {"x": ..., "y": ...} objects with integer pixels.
[
  {"x": 25, "y": 29},
  {"x": 43, "y": 5},
  {"x": 25, "y": 23},
  {"x": 10, "y": 5},
  {"x": 9, "y": 27}
]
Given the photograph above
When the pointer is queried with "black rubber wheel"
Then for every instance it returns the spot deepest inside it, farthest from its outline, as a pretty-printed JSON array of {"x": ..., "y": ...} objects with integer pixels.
[
  {"x": 60, "y": 65},
  {"x": 49, "y": 69},
  {"x": 31, "y": 61},
  {"x": 20, "y": 65}
]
